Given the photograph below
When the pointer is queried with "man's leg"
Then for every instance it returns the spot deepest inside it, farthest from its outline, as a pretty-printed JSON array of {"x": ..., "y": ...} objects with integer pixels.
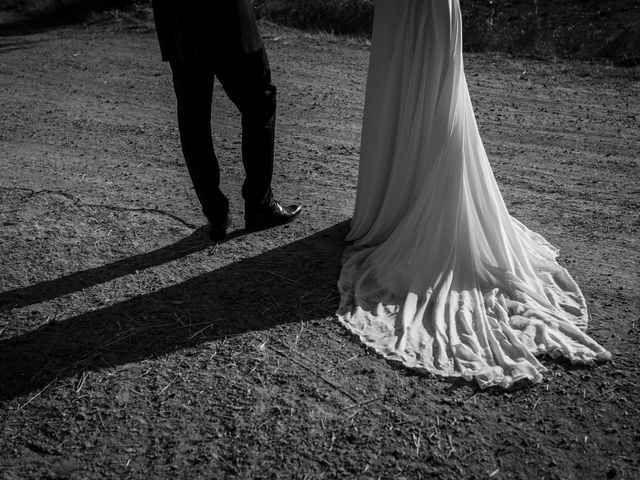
[
  {"x": 193, "y": 84},
  {"x": 247, "y": 82}
]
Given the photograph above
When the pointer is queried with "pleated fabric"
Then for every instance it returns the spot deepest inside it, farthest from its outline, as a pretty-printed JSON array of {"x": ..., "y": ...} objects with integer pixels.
[{"x": 439, "y": 276}]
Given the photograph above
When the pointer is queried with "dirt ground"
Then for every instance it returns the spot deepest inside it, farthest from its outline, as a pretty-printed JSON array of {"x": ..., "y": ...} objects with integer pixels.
[{"x": 131, "y": 347}]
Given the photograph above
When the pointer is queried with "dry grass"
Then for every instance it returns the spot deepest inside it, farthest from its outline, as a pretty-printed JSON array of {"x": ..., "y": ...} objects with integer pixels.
[
  {"x": 543, "y": 28},
  {"x": 573, "y": 28},
  {"x": 74, "y": 10}
]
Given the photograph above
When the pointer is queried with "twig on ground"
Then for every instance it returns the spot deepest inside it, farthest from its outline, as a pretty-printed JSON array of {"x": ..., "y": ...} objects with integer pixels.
[
  {"x": 168, "y": 385},
  {"x": 200, "y": 331},
  {"x": 118, "y": 208},
  {"x": 36, "y": 395},
  {"x": 49, "y": 362},
  {"x": 469, "y": 454},
  {"x": 287, "y": 279},
  {"x": 266, "y": 421},
  {"x": 318, "y": 374},
  {"x": 275, "y": 301},
  {"x": 299, "y": 333},
  {"x": 365, "y": 402},
  {"x": 606, "y": 392},
  {"x": 351, "y": 416},
  {"x": 345, "y": 362},
  {"x": 81, "y": 381},
  {"x": 535, "y": 404}
]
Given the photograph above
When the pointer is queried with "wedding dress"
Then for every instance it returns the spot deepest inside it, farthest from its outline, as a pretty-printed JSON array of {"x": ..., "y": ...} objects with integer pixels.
[{"x": 439, "y": 276}]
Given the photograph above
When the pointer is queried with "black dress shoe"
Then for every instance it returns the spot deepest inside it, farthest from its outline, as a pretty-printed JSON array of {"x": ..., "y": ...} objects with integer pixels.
[
  {"x": 217, "y": 230},
  {"x": 270, "y": 216}
]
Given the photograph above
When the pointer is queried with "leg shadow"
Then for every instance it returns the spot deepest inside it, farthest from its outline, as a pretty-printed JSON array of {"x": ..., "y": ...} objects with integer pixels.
[
  {"x": 296, "y": 282},
  {"x": 48, "y": 290}
]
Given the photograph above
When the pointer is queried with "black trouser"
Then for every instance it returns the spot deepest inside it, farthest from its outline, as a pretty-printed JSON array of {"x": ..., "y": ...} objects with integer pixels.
[{"x": 247, "y": 83}]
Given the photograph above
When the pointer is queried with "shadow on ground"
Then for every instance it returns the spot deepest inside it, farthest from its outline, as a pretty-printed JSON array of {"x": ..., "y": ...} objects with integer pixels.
[
  {"x": 293, "y": 283},
  {"x": 77, "y": 281}
]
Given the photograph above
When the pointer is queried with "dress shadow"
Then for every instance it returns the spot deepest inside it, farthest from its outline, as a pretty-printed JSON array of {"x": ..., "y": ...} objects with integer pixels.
[{"x": 289, "y": 284}]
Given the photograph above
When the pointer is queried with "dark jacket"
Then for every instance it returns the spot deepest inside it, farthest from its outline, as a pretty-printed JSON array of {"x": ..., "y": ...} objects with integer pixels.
[{"x": 205, "y": 30}]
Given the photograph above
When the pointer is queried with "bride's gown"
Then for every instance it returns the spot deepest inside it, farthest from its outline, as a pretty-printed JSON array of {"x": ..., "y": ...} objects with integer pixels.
[{"x": 439, "y": 276}]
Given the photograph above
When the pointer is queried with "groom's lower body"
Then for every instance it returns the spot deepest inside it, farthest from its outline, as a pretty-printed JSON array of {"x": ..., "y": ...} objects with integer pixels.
[
  {"x": 246, "y": 79},
  {"x": 247, "y": 83}
]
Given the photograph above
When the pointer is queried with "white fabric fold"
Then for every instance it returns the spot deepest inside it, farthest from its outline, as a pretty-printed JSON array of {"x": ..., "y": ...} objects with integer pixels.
[{"x": 439, "y": 276}]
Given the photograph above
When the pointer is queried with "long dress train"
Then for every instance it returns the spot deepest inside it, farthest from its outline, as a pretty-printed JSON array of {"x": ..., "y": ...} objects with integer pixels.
[{"x": 439, "y": 276}]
